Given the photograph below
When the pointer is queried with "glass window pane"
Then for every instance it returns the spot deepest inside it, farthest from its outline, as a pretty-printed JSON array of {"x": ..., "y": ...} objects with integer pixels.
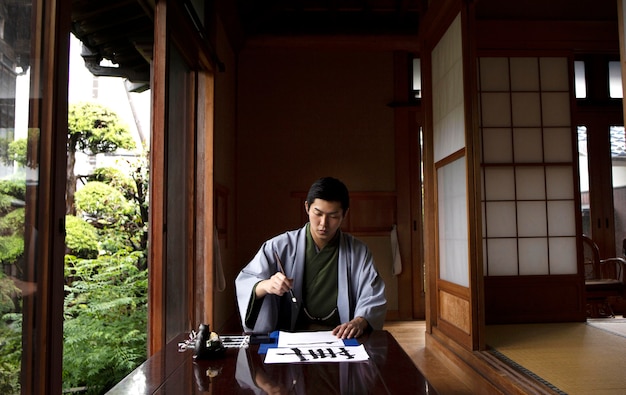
[
  {"x": 583, "y": 156},
  {"x": 580, "y": 83},
  {"x": 618, "y": 170},
  {"x": 19, "y": 179},
  {"x": 615, "y": 81},
  {"x": 417, "y": 78}
]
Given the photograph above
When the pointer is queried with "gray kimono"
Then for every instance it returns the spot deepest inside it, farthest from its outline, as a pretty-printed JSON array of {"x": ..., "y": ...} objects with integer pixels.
[{"x": 361, "y": 289}]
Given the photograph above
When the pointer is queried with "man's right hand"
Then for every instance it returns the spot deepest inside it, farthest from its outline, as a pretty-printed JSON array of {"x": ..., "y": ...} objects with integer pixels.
[{"x": 278, "y": 284}]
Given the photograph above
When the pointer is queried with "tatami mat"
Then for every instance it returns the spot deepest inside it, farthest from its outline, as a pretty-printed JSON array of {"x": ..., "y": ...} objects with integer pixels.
[{"x": 574, "y": 358}]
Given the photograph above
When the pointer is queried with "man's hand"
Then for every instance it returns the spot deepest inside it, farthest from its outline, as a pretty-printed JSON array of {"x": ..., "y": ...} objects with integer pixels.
[
  {"x": 278, "y": 284},
  {"x": 351, "y": 329}
]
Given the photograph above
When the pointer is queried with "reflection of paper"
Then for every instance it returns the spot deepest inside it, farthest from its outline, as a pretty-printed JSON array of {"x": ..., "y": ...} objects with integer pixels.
[
  {"x": 304, "y": 339},
  {"x": 316, "y": 354}
]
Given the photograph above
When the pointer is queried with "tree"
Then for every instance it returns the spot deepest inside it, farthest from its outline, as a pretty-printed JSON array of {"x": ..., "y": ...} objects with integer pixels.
[{"x": 92, "y": 129}]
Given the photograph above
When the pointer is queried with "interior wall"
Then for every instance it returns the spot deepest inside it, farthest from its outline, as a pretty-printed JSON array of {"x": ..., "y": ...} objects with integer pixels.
[
  {"x": 305, "y": 114},
  {"x": 224, "y": 165}
]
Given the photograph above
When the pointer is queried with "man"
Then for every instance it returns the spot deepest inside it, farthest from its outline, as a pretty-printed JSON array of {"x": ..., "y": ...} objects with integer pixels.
[{"x": 315, "y": 277}]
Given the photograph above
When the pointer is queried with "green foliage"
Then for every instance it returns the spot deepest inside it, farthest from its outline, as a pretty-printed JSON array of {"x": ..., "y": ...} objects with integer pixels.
[
  {"x": 11, "y": 351},
  {"x": 13, "y": 222},
  {"x": 105, "y": 320},
  {"x": 8, "y": 291},
  {"x": 17, "y": 151},
  {"x": 115, "y": 178},
  {"x": 105, "y": 325},
  {"x": 6, "y": 204},
  {"x": 102, "y": 204},
  {"x": 13, "y": 150},
  {"x": 11, "y": 248},
  {"x": 14, "y": 188},
  {"x": 81, "y": 239},
  {"x": 10, "y": 337},
  {"x": 93, "y": 129},
  {"x": 4, "y": 151}
]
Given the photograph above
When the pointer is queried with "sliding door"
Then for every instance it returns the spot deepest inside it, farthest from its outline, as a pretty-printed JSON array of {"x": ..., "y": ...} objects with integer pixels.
[{"x": 452, "y": 223}]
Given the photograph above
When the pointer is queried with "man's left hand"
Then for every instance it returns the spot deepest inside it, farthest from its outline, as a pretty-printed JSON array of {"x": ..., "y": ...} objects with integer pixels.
[{"x": 351, "y": 329}]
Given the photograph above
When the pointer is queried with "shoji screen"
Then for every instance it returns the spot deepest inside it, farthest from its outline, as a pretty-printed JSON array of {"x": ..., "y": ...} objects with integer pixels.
[
  {"x": 528, "y": 191},
  {"x": 449, "y": 156}
]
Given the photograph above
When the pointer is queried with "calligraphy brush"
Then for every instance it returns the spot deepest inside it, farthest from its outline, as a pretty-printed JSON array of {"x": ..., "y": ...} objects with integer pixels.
[{"x": 282, "y": 270}]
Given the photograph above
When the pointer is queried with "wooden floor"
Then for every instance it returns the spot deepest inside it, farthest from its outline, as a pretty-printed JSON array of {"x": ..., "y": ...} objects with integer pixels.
[
  {"x": 410, "y": 335},
  {"x": 445, "y": 376}
]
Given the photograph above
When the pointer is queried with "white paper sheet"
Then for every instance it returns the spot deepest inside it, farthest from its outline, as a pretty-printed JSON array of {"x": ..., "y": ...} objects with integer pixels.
[
  {"x": 305, "y": 339},
  {"x": 316, "y": 354}
]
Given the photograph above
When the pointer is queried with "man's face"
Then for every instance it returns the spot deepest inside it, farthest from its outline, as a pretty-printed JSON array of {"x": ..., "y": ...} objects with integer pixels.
[{"x": 325, "y": 218}]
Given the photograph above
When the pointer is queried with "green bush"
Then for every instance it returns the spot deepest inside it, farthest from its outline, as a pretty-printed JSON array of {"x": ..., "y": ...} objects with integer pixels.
[
  {"x": 11, "y": 351},
  {"x": 13, "y": 222},
  {"x": 6, "y": 204},
  {"x": 14, "y": 188},
  {"x": 10, "y": 336},
  {"x": 116, "y": 178},
  {"x": 11, "y": 249},
  {"x": 81, "y": 239},
  {"x": 105, "y": 321},
  {"x": 101, "y": 204}
]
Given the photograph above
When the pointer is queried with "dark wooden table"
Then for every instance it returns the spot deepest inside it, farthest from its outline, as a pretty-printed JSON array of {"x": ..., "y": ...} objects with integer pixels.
[{"x": 242, "y": 371}]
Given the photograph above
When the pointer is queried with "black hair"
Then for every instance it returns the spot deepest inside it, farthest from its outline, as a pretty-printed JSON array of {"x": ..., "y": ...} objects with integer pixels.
[{"x": 331, "y": 190}]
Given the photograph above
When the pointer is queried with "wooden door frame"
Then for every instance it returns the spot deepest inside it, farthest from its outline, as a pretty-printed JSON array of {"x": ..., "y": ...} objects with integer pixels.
[{"x": 173, "y": 26}]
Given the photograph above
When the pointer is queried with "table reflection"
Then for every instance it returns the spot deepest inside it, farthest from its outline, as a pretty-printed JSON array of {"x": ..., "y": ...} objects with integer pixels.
[{"x": 242, "y": 371}]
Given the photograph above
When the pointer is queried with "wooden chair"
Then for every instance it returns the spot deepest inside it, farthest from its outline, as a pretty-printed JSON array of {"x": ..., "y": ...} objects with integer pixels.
[{"x": 604, "y": 280}]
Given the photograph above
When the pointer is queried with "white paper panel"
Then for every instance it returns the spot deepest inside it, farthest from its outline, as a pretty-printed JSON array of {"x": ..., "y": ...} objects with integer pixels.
[
  {"x": 554, "y": 74},
  {"x": 499, "y": 183},
  {"x": 496, "y": 109},
  {"x": 533, "y": 256},
  {"x": 448, "y": 94},
  {"x": 560, "y": 182},
  {"x": 452, "y": 211},
  {"x": 557, "y": 144},
  {"x": 531, "y": 219},
  {"x": 562, "y": 255},
  {"x": 502, "y": 255},
  {"x": 528, "y": 145},
  {"x": 501, "y": 219},
  {"x": 555, "y": 109},
  {"x": 494, "y": 74},
  {"x": 497, "y": 146},
  {"x": 526, "y": 109},
  {"x": 524, "y": 74},
  {"x": 561, "y": 218},
  {"x": 530, "y": 183}
]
